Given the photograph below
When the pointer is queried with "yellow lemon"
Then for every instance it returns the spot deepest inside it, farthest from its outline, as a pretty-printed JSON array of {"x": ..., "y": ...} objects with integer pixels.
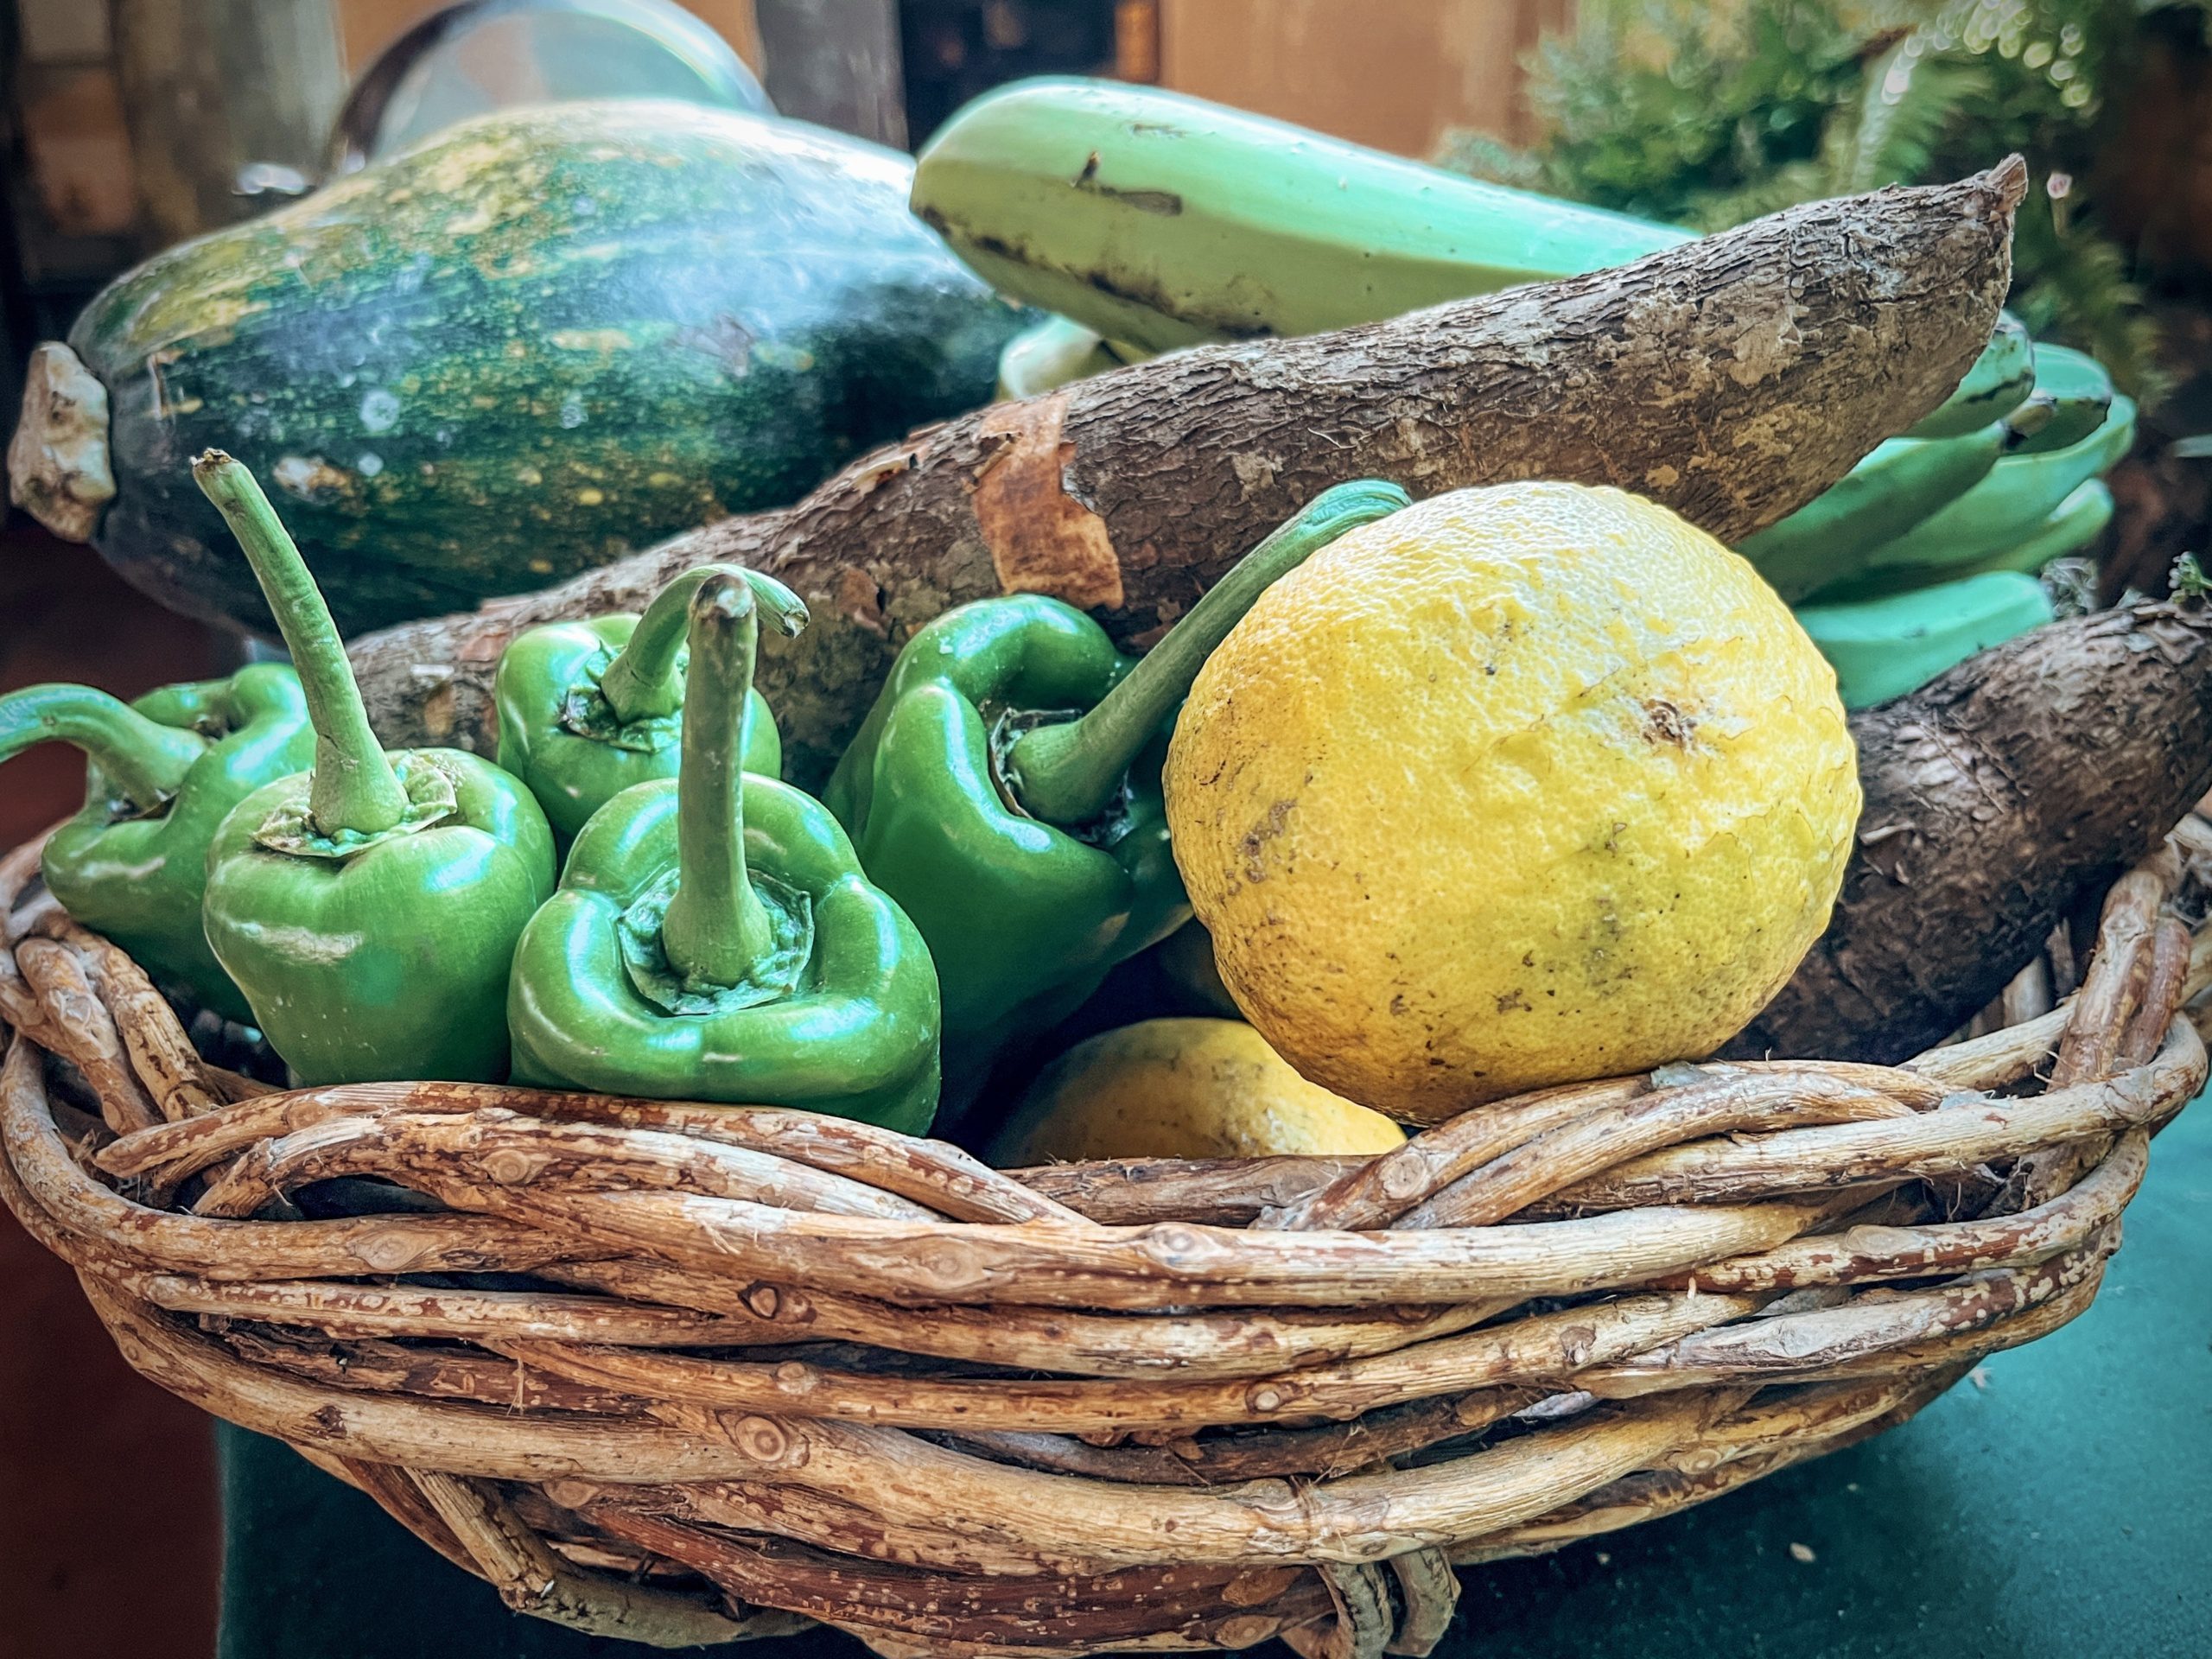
[
  {"x": 1182, "y": 1088},
  {"x": 1519, "y": 785}
]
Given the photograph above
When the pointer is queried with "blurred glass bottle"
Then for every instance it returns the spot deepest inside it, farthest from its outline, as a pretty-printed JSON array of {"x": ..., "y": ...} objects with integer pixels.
[{"x": 488, "y": 55}]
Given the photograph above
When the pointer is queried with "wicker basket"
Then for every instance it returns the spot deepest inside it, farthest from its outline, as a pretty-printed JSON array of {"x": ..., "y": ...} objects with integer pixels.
[{"x": 681, "y": 1375}]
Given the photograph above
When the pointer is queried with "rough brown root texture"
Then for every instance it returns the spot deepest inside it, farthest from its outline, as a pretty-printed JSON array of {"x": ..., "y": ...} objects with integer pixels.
[
  {"x": 1733, "y": 378},
  {"x": 1996, "y": 798}
]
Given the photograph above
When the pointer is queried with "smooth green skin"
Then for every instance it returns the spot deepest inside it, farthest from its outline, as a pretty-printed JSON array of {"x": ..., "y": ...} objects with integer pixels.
[
  {"x": 1897, "y": 486},
  {"x": 573, "y": 774},
  {"x": 1032, "y": 872},
  {"x": 2079, "y": 520},
  {"x": 1055, "y": 354},
  {"x": 2000, "y": 379},
  {"x": 367, "y": 907},
  {"x": 1022, "y": 918},
  {"x": 2075, "y": 523},
  {"x": 1885, "y": 648},
  {"x": 135, "y": 871},
  {"x": 1997, "y": 514},
  {"x": 840, "y": 1014},
  {"x": 546, "y": 336},
  {"x": 392, "y": 964},
  {"x": 1165, "y": 221},
  {"x": 2080, "y": 392},
  {"x": 859, "y": 1041}
]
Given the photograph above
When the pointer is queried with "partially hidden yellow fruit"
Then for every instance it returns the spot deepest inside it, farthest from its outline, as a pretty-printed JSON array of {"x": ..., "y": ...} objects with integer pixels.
[
  {"x": 1520, "y": 785},
  {"x": 1182, "y": 1088}
]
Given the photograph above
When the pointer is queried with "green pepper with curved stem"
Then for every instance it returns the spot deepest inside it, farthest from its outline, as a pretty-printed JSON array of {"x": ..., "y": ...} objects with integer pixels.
[
  {"x": 587, "y": 709},
  {"x": 160, "y": 774},
  {"x": 713, "y": 938},
  {"x": 368, "y": 907},
  {"x": 1005, "y": 790}
]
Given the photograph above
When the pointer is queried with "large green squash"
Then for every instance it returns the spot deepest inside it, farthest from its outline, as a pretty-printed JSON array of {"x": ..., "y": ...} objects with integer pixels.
[{"x": 544, "y": 338}]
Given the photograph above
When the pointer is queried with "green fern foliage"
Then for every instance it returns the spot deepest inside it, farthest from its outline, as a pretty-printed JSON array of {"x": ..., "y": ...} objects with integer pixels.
[{"x": 1709, "y": 114}]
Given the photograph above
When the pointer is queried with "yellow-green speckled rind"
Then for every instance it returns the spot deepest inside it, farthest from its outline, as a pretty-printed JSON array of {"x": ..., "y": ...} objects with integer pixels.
[
  {"x": 544, "y": 337},
  {"x": 1519, "y": 785}
]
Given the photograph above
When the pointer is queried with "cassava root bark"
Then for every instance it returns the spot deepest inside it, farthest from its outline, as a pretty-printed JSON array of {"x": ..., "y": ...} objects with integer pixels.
[
  {"x": 1996, "y": 796},
  {"x": 1733, "y": 378}
]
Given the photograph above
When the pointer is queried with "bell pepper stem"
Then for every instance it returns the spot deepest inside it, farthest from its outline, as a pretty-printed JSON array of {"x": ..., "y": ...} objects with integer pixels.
[
  {"x": 354, "y": 786},
  {"x": 641, "y": 683},
  {"x": 1068, "y": 773},
  {"x": 142, "y": 758},
  {"x": 716, "y": 930}
]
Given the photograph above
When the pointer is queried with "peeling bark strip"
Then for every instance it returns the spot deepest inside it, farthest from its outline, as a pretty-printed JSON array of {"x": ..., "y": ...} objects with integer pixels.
[
  {"x": 1733, "y": 378},
  {"x": 1041, "y": 540}
]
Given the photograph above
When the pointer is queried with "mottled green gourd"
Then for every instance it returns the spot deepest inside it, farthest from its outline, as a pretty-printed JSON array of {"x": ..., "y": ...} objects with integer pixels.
[
  {"x": 1004, "y": 791},
  {"x": 368, "y": 908},
  {"x": 160, "y": 773},
  {"x": 545, "y": 337},
  {"x": 586, "y": 709},
  {"x": 713, "y": 938}
]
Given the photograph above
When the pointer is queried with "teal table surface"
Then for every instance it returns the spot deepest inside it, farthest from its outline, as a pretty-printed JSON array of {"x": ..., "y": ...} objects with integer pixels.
[{"x": 2059, "y": 1507}]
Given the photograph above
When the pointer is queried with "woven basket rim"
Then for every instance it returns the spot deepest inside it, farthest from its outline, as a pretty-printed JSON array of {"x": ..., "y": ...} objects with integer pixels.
[{"x": 763, "y": 1367}]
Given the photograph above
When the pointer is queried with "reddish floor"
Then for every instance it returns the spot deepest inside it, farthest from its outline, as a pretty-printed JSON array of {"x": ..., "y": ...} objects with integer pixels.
[{"x": 109, "y": 1538}]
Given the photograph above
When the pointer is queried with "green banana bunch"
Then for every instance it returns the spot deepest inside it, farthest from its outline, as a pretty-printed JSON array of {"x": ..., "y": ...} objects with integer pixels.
[
  {"x": 1919, "y": 509},
  {"x": 1903, "y": 604},
  {"x": 1946, "y": 533},
  {"x": 2075, "y": 523},
  {"x": 2080, "y": 393},
  {"x": 1901, "y": 483},
  {"x": 2004, "y": 374},
  {"x": 2007, "y": 506},
  {"x": 1167, "y": 221},
  {"x": 1883, "y": 648},
  {"x": 2068, "y": 528}
]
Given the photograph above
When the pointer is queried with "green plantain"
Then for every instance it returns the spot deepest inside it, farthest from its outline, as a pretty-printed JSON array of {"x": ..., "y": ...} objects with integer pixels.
[
  {"x": 2080, "y": 393},
  {"x": 1165, "y": 221},
  {"x": 1884, "y": 648},
  {"x": 2073, "y": 525},
  {"x": 1901, "y": 483},
  {"x": 2001, "y": 377},
  {"x": 2007, "y": 506}
]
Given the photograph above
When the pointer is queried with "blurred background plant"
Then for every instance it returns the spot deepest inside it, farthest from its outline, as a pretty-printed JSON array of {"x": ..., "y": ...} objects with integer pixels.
[{"x": 1708, "y": 114}]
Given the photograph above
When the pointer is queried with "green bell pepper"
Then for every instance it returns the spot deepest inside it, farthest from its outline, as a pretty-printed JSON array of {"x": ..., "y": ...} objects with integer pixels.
[
  {"x": 160, "y": 774},
  {"x": 1004, "y": 791},
  {"x": 368, "y": 907},
  {"x": 714, "y": 939},
  {"x": 587, "y": 709}
]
